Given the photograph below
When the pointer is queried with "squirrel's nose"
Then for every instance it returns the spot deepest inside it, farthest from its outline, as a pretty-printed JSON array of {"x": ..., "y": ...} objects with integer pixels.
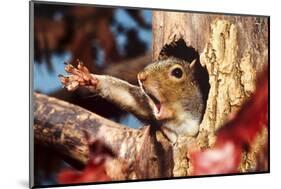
[{"x": 142, "y": 76}]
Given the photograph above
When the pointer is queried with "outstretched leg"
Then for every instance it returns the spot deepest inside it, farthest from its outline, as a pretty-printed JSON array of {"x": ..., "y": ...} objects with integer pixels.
[{"x": 127, "y": 96}]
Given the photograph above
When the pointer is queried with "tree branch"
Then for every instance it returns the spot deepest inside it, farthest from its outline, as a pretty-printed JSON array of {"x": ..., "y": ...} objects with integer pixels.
[{"x": 64, "y": 127}]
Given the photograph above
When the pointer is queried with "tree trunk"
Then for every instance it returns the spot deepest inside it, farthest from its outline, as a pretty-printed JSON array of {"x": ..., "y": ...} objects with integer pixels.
[{"x": 233, "y": 49}]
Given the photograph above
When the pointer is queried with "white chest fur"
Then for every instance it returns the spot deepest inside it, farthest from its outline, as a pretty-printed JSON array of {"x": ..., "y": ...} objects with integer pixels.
[{"x": 188, "y": 126}]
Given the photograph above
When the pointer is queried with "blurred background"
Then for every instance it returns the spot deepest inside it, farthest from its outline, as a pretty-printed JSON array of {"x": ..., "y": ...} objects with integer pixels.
[{"x": 112, "y": 41}]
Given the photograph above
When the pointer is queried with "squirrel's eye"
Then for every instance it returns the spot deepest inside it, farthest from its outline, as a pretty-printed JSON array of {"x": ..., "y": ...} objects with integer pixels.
[{"x": 177, "y": 72}]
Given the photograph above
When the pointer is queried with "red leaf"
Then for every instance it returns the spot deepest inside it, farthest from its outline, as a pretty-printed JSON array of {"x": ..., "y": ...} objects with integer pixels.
[
  {"x": 219, "y": 160},
  {"x": 92, "y": 173},
  {"x": 95, "y": 169}
]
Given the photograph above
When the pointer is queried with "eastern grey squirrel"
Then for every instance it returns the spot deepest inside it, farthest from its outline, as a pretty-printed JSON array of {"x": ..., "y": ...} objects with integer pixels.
[{"x": 168, "y": 94}]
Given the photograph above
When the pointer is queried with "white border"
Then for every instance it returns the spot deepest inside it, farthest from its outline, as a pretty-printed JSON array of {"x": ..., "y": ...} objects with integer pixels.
[{"x": 14, "y": 92}]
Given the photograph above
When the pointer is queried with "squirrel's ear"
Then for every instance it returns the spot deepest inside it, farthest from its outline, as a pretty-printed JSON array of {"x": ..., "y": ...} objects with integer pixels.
[{"x": 192, "y": 64}]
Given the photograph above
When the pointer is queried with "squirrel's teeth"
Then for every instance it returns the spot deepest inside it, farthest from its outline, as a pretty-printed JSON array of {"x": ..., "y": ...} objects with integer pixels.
[{"x": 152, "y": 98}]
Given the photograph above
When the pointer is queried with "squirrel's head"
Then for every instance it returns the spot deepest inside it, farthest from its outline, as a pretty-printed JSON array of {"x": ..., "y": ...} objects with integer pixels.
[{"x": 171, "y": 89}]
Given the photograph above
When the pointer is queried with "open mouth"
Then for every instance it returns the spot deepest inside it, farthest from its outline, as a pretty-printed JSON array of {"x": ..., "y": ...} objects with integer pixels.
[
  {"x": 152, "y": 99},
  {"x": 155, "y": 101}
]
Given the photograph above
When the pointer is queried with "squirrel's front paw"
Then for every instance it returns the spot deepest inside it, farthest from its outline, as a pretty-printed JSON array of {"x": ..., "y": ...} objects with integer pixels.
[{"x": 79, "y": 76}]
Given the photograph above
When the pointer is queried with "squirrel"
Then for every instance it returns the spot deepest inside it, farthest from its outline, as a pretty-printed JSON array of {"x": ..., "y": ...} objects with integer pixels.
[{"x": 168, "y": 95}]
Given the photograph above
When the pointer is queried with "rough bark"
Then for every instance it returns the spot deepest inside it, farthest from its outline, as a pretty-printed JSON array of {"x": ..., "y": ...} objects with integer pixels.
[
  {"x": 65, "y": 128},
  {"x": 233, "y": 49}
]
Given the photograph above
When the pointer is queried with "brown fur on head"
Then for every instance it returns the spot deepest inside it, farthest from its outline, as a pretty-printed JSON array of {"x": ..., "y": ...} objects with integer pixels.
[{"x": 171, "y": 89}]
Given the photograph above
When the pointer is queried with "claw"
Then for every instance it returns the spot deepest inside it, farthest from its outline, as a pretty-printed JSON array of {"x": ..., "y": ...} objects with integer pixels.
[
  {"x": 63, "y": 80},
  {"x": 68, "y": 67}
]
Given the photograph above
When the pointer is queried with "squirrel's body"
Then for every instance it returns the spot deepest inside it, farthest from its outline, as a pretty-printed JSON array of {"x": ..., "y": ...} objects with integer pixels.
[{"x": 168, "y": 94}]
